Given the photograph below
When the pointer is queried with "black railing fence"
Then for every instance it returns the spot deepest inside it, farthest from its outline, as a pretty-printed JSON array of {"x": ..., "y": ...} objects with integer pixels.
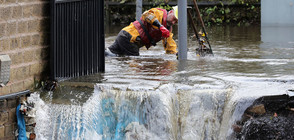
[{"x": 77, "y": 38}]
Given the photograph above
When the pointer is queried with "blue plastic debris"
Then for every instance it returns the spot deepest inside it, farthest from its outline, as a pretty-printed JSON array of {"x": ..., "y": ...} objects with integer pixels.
[{"x": 21, "y": 125}]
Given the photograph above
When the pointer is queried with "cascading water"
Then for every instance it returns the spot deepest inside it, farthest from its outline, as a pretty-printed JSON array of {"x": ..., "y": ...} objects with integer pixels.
[{"x": 169, "y": 111}]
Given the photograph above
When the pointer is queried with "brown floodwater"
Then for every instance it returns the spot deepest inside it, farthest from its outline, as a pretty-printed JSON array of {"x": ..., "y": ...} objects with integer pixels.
[{"x": 156, "y": 96}]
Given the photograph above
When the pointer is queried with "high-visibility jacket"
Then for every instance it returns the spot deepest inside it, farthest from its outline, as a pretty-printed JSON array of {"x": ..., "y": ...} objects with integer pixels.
[{"x": 148, "y": 17}]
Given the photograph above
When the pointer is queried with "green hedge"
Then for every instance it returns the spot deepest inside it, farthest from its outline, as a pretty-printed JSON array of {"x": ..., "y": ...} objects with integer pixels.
[{"x": 237, "y": 12}]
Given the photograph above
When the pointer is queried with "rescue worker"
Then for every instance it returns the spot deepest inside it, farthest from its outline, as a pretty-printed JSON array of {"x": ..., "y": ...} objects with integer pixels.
[{"x": 153, "y": 26}]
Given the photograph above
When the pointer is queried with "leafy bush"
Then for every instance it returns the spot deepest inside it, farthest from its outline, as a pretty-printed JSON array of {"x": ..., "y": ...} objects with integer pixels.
[{"x": 239, "y": 12}]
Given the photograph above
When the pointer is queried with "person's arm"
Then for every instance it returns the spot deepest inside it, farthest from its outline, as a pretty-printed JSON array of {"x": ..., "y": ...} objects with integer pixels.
[
  {"x": 150, "y": 17},
  {"x": 170, "y": 45}
]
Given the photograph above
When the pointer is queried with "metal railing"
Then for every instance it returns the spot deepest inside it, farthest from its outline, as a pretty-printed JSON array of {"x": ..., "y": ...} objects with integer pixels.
[
  {"x": 77, "y": 38},
  {"x": 14, "y": 95}
]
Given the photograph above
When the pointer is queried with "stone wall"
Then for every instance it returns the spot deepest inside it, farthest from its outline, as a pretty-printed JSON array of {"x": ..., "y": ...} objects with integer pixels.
[{"x": 24, "y": 36}]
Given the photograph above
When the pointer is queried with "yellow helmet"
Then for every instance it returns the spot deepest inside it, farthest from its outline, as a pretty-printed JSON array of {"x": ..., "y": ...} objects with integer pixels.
[{"x": 175, "y": 8}]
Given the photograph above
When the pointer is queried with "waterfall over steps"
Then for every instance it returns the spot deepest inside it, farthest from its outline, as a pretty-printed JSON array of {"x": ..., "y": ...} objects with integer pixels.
[{"x": 168, "y": 111}]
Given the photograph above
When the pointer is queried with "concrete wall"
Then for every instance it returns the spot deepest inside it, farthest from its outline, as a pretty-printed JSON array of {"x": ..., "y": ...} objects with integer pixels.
[
  {"x": 277, "y": 12},
  {"x": 24, "y": 36}
]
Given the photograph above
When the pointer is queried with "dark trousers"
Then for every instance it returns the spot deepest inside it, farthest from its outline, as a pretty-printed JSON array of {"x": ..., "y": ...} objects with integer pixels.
[{"x": 123, "y": 46}]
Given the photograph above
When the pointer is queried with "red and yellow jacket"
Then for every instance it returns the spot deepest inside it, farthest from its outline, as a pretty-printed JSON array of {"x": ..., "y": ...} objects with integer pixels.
[{"x": 148, "y": 17}]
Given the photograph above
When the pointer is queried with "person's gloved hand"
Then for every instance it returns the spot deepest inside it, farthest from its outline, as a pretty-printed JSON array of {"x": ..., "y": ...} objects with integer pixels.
[{"x": 164, "y": 32}]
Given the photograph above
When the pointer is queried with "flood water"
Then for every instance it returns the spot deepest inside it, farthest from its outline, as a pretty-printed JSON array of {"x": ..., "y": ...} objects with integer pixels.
[{"x": 155, "y": 96}]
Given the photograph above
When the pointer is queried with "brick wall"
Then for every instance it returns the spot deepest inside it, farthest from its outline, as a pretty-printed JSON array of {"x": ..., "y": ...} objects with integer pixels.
[
  {"x": 24, "y": 36},
  {"x": 8, "y": 123}
]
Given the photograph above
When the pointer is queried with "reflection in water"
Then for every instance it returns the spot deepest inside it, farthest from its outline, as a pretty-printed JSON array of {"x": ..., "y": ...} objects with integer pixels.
[
  {"x": 278, "y": 42},
  {"x": 155, "y": 96},
  {"x": 278, "y": 34},
  {"x": 182, "y": 65}
]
